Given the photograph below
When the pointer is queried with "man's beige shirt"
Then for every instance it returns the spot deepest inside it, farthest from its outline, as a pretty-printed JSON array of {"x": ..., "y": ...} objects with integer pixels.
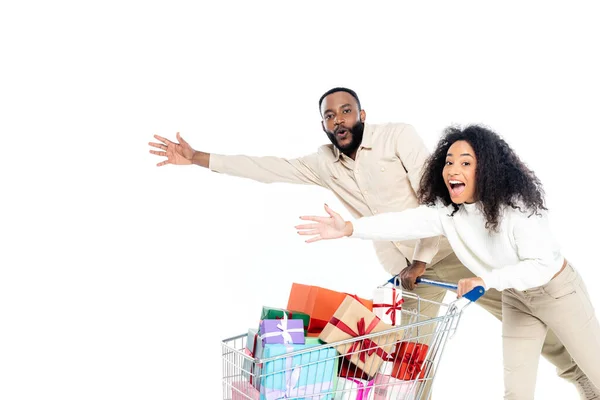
[{"x": 384, "y": 177}]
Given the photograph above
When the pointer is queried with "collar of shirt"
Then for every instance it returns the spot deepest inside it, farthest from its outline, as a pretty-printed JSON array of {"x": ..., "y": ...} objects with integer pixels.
[{"x": 365, "y": 143}]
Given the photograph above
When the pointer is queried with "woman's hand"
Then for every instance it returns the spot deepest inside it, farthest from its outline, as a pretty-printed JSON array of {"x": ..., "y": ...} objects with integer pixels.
[
  {"x": 332, "y": 227},
  {"x": 468, "y": 284}
]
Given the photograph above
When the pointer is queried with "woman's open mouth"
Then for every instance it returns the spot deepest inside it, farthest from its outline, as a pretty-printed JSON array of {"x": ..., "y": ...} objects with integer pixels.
[{"x": 456, "y": 187}]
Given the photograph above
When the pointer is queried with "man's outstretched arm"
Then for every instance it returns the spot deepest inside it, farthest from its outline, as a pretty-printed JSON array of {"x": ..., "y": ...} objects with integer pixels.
[{"x": 302, "y": 170}]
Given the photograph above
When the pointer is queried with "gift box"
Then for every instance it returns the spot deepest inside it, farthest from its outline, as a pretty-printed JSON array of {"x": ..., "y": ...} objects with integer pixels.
[
  {"x": 349, "y": 370},
  {"x": 253, "y": 343},
  {"x": 353, "y": 320},
  {"x": 319, "y": 303},
  {"x": 243, "y": 390},
  {"x": 387, "y": 304},
  {"x": 387, "y": 388},
  {"x": 352, "y": 389},
  {"x": 408, "y": 361},
  {"x": 282, "y": 331},
  {"x": 278, "y": 313},
  {"x": 302, "y": 375},
  {"x": 254, "y": 350}
]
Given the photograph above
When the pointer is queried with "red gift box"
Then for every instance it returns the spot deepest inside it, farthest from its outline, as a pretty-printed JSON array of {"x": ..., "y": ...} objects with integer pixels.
[
  {"x": 408, "y": 361},
  {"x": 349, "y": 370}
]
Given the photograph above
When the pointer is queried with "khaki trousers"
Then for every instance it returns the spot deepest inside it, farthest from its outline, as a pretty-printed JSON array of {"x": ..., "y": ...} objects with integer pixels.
[
  {"x": 450, "y": 269},
  {"x": 562, "y": 305}
]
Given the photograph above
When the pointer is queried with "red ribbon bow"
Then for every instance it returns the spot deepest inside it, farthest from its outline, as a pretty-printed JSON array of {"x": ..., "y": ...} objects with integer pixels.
[
  {"x": 414, "y": 364},
  {"x": 368, "y": 346},
  {"x": 395, "y": 306}
]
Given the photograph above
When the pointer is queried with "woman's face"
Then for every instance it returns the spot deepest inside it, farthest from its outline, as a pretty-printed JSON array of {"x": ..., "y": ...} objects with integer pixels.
[{"x": 459, "y": 172}]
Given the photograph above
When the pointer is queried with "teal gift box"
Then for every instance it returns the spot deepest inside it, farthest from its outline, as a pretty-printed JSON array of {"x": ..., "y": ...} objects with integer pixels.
[{"x": 299, "y": 376}]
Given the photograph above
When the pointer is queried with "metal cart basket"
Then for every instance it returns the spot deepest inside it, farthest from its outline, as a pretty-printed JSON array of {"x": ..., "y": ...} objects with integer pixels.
[{"x": 411, "y": 354}]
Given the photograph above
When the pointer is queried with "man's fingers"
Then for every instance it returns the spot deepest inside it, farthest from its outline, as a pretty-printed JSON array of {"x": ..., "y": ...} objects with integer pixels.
[
  {"x": 158, "y": 145},
  {"x": 315, "y": 239},
  {"x": 180, "y": 139},
  {"x": 408, "y": 284},
  {"x": 158, "y": 153},
  {"x": 160, "y": 164},
  {"x": 162, "y": 139}
]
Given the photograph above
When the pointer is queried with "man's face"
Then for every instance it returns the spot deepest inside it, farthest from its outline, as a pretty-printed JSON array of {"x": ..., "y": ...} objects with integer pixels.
[{"x": 343, "y": 121}]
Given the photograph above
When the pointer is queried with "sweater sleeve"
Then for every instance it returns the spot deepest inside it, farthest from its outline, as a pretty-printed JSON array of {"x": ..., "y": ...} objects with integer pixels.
[
  {"x": 539, "y": 254},
  {"x": 416, "y": 223}
]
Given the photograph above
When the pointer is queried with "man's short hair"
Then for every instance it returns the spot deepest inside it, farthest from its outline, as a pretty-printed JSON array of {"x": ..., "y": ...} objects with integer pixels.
[{"x": 339, "y": 89}]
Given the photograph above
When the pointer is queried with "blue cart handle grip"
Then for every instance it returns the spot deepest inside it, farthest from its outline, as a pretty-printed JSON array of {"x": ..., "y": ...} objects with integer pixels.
[{"x": 473, "y": 295}]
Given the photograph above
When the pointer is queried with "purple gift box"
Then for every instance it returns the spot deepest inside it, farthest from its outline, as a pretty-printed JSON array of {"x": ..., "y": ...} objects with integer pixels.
[{"x": 282, "y": 331}]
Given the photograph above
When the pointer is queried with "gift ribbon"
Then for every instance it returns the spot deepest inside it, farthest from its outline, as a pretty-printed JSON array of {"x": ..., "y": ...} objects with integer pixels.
[
  {"x": 291, "y": 382},
  {"x": 364, "y": 388},
  {"x": 414, "y": 364},
  {"x": 292, "y": 376},
  {"x": 285, "y": 314},
  {"x": 355, "y": 297},
  {"x": 396, "y": 305},
  {"x": 368, "y": 346},
  {"x": 290, "y": 315},
  {"x": 283, "y": 331}
]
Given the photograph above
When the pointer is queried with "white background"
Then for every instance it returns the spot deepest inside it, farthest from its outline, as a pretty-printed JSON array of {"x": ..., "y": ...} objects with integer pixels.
[{"x": 118, "y": 280}]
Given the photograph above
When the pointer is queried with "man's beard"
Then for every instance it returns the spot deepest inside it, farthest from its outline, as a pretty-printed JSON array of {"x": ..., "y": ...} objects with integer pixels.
[{"x": 356, "y": 135}]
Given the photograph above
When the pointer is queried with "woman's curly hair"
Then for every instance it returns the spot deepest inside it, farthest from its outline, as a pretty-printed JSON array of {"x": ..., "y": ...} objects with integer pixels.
[{"x": 501, "y": 178}]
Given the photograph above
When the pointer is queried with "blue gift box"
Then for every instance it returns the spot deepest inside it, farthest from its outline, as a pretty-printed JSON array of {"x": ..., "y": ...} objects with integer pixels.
[{"x": 300, "y": 375}]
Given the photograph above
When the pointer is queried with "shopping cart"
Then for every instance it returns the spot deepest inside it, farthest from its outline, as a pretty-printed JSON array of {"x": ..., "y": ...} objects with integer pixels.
[{"x": 412, "y": 354}]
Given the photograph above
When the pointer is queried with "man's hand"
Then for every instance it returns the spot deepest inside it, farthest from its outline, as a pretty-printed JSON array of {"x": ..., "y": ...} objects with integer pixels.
[
  {"x": 409, "y": 275},
  {"x": 468, "y": 284},
  {"x": 177, "y": 153}
]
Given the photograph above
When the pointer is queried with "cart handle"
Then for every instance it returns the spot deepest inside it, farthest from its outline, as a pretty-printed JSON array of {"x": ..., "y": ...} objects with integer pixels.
[{"x": 473, "y": 295}]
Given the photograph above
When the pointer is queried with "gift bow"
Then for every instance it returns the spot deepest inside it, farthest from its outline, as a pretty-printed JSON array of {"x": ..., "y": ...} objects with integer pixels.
[
  {"x": 284, "y": 331},
  {"x": 290, "y": 315},
  {"x": 368, "y": 346},
  {"x": 291, "y": 382},
  {"x": 364, "y": 388},
  {"x": 414, "y": 364},
  {"x": 397, "y": 301}
]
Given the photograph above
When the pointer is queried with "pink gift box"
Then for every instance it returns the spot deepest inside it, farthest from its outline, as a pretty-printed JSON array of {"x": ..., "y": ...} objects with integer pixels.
[
  {"x": 353, "y": 389},
  {"x": 243, "y": 390},
  {"x": 387, "y": 388}
]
